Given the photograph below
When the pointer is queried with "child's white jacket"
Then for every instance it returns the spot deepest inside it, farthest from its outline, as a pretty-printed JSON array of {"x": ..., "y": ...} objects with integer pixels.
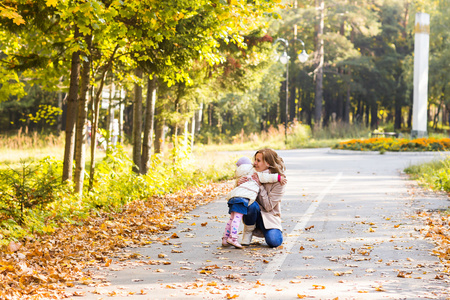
[{"x": 250, "y": 188}]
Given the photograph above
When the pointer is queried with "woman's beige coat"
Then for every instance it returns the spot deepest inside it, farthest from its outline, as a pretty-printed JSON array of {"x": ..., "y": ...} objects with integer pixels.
[{"x": 269, "y": 199}]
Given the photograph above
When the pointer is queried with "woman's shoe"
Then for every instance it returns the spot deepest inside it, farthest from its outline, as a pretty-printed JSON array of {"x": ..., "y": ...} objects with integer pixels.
[
  {"x": 234, "y": 242},
  {"x": 248, "y": 234}
]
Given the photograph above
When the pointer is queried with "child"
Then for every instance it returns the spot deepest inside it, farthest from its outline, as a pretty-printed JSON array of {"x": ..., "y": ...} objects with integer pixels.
[{"x": 242, "y": 196}]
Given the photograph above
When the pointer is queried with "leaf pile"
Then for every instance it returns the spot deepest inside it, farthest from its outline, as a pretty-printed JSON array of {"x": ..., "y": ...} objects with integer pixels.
[
  {"x": 43, "y": 266},
  {"x": 438, "y": 230}
]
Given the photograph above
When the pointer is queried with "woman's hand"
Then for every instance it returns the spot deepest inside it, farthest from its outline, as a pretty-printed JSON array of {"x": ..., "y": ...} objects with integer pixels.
[
  {"x": 283, "y": 180},
  {"x": 256, "y": 178}
]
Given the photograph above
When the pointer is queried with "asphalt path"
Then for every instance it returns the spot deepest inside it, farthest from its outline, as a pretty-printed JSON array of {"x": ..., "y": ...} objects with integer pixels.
[{"x": 350, "y": 233}]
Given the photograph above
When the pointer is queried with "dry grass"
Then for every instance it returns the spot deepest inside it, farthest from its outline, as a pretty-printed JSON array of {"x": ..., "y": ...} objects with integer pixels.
[{"x": 28, "y": 147}]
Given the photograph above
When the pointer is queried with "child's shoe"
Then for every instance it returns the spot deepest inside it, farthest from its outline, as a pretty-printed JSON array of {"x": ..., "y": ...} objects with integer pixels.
[
  {"x": 224, "y": 241},
  {"x": 234, "y": 242}
]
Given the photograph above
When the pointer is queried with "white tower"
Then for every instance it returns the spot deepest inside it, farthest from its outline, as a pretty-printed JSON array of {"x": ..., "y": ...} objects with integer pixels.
[{"x": 420, "y": 96}]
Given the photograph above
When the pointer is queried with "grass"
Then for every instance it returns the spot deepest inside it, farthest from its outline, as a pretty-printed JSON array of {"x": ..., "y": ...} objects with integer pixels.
[
  {"x": 299, "y": 136},
  {"x": 28, "y": 147},
  {"x": 434, "y": 174}
]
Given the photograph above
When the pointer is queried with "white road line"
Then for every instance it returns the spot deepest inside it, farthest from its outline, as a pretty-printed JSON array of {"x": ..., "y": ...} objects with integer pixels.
[{"x": 269, "y": 273}]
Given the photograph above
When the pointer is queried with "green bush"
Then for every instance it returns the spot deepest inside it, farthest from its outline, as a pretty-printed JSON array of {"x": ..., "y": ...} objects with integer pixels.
[
  {"x": 33, "y": 186},
  {"x": 34, "y": 201},
  {"x": 435, "y": 174}
]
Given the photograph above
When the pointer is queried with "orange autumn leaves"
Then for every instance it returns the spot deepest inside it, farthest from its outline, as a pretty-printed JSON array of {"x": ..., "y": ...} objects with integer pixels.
[
  {"x": 438, "y": 230},
  {"x": 43, "y": 266}
]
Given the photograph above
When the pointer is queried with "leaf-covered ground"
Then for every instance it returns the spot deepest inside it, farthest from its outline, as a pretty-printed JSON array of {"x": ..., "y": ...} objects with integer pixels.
[{"x": 44, "y": 266}]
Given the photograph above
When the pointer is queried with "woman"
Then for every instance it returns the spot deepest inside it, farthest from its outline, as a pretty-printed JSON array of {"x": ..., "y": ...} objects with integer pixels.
[{"x": 263, "y": 217}]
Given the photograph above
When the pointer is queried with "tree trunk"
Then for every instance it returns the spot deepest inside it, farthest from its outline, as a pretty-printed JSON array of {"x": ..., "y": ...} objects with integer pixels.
[
  {"x": 397, "y": 113},
  {"x": 95, "y": 118},
  {"x": 346, "y": 117},
  {"x": 59, "y": 118},
  {"x": 121, "y": 131},
  {"x": 137, "y": 124},
  {"x": 198, "y": 120},
  {"x": 149, "y": 124},
  {"x": 94, "y": 126},
  {"x": 410, "y": 112},
  {"x": 159, "y": 132},
  {"x": 71, "y": 113},
  {"x": 110, "y": 116},
  {"x": 80, "y": 151},
  {"x": 292, "y": 96},
  {"x": 193, "y": 123},
  {"x": 374, "y": 115},
  {"x": 319, "y": 70}
]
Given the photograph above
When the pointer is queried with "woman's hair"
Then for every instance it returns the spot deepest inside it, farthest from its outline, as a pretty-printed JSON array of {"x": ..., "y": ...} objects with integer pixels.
[{"x": 276, "y": 163}]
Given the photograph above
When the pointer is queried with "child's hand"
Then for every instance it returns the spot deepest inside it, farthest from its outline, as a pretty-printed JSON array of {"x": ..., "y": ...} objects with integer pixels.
[
  {"x": 242, "y": 180},
  {"x": 283, "y": 180}
]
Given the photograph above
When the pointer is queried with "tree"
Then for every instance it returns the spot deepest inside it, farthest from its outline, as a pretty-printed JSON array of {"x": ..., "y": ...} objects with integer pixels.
[{"x": 320, "y": 61}]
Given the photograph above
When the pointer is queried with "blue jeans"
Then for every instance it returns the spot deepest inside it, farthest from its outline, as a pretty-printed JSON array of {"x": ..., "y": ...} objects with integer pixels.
[{"x": 274, "y": 237}]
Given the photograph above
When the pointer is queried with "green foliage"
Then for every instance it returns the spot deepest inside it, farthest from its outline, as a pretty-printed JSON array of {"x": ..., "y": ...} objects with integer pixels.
[
  {"x": 28, "y": 188},
  {"x": 45, "y": 114},
  {"x": 435, "y": 174},
  {"x": 33, "y": 199},
  {"x": 298, "y": 135},
  {"x": 115, "y": 184}
]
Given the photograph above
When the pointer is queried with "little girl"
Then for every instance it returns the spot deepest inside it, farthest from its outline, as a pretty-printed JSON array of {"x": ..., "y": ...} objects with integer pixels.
[{"x": 242, "y": 196}]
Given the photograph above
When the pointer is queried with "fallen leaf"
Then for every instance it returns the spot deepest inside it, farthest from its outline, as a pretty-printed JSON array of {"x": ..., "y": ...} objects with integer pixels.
[
  {"x": 403, "y": 274},
  {"x": 229, "y": 296},
  {"x": 108, "y": 262},
  {"x": 318, "y": 287},
  {"x": 13, "y": 246},
  {"x": 379, "y": 289}
]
